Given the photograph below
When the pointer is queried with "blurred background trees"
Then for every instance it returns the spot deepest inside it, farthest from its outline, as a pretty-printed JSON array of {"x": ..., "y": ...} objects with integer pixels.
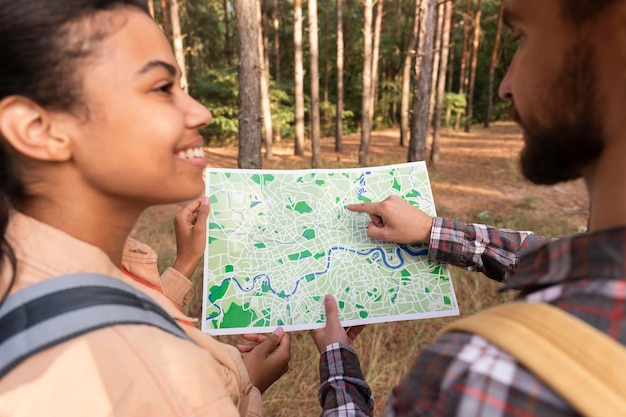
[{"x": 333, "y": 67}]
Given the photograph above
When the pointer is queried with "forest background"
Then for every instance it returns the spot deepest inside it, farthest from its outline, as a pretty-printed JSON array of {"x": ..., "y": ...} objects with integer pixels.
[
  {"x": 298, "y": 70},
  {"x": 295, "y": 84}
]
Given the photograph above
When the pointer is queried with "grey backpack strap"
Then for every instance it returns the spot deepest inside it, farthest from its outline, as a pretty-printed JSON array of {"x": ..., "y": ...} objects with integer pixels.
[{"x": 61, "y": 308}]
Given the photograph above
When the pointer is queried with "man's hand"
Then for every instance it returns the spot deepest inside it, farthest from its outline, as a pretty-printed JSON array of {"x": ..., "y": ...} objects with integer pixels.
[
  {"x": 190, "y": 229},
  {"x": 395, "y": 220},
  {"x": 267, "y": 357},
  {"x": 333, "y": 332}
]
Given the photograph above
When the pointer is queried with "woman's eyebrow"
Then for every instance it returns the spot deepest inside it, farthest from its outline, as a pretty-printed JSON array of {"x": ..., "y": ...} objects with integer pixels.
[{"x": 171, "y": 69}]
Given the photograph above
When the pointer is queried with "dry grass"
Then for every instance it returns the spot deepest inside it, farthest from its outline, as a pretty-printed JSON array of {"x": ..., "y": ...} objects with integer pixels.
[{"x": 477, "y": 180}]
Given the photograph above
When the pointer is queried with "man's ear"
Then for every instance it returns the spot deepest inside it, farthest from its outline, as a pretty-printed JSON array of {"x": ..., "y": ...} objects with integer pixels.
[{"x": 32, "y": 130}]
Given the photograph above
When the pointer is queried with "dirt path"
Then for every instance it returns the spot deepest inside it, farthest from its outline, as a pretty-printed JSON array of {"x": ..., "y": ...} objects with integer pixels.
[{"x": 478, "y": 173}]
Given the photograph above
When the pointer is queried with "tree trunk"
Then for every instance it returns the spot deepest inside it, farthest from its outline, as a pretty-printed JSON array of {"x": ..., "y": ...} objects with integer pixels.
[
  {"x": 397, "y": 78},
  {"x": 441, "y": 82},
  {"x": 467, "y": 49},
  {"x": 326, "y": 53},
  {"x": 189, "y": 60},
  {"x": 315, "y": 85},
  {"x": 276, "y": 23},
  {"x": 165, "y": 16},
  {"x": 399, "y": 28},
  {"x": 464, "y": 55},
  {"x": 346, "y": 35},
  {"x": 179, "y": 49},
  {"x": 366, "y": 128},
  {"x": 375, "y": 59},
  {"x": 299, "y": 78},
  {"x": 249, "y": 75},
  {"x": 227, "y": 47},
  {"x": 423, "y": 82},
  {"x": 340, "y": 92},
  {"x": 492, "y": 65},
  {"x": 406, "y": 78},
  {"x": 450, "y": 76},
  {"x": 266, "y": 40},
  {"x": 436, "y": 59},
  {"x": 472, "y": 81},
  {"x": 151, "y": 7},
  {"x": 265, "y": 94}
]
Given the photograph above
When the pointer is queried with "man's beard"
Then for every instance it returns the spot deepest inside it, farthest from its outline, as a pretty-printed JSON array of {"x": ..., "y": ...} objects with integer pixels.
[{"x": 574, "y": 138}]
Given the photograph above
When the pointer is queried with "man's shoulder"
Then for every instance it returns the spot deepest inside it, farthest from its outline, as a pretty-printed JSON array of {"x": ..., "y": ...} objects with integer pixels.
[{"x": 462, "y": 373}]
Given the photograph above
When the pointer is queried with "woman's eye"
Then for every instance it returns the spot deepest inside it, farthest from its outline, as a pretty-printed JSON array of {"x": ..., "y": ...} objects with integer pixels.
[{"x": 166, "y": 88}]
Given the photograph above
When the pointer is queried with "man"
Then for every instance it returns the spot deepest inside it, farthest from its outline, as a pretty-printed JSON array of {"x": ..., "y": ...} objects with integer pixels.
[{"x": 567, "y": 87}]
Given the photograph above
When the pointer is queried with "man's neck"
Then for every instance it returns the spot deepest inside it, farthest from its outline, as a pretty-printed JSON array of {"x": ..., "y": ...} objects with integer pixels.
[{"x": 606, "y": 184}]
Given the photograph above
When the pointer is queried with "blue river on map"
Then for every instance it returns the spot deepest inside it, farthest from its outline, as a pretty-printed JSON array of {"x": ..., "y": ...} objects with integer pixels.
[{"x": 266, "y": 279}]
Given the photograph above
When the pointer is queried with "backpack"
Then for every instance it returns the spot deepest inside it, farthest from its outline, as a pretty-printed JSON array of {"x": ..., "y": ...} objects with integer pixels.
[
  {"x": 580, "y": 363},
  {"x": 53, "y": 311}
]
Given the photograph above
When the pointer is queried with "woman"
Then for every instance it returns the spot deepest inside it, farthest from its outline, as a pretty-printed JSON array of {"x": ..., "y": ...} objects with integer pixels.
[{"x": 95, "y": 128}]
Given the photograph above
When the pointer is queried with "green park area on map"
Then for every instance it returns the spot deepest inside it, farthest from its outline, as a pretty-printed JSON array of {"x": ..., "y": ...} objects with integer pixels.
[{"x": 278, "y": 241}]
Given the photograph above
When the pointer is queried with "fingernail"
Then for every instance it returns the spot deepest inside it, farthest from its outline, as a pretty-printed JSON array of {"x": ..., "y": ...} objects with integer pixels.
[
  {"x": 205, "y": 201},
  {"x": 279, "y": 331},
  {"x": 328, "y": 299}
]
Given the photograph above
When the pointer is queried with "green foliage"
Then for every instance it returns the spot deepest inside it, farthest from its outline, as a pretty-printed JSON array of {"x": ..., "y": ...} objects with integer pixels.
[
  {"x": 217, "y": 89},
  {"x": 389, "y": 101},
  {"x": 508, "y": 45},
  {"x": 282, "y": 109},
  {"x": 455, "y": 102},
  {"x": 205, "y": 29},
  {"x": 500, "y": 110},
  {"x": 328, "y": 115},
  {"x": 352, "y": 100},
  {"x": 212, "y": 63}
]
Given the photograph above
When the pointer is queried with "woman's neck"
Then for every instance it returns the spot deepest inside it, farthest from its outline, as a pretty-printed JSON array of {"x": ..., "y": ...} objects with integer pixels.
[{"x": 104, "y": 227}]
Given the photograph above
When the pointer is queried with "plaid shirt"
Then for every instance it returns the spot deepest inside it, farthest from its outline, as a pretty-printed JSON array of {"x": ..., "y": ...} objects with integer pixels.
[
  {"x": 343, "y": 391},
  {"x": 477, "y": 247},
  {"x": 462, "y": 374}
]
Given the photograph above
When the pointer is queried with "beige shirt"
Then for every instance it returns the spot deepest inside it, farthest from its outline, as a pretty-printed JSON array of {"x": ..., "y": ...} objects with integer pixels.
[{"x": 126, "y": 370}]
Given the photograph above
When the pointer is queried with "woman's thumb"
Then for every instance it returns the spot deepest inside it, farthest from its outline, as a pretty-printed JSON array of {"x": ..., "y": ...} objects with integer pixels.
[{"x": 271, "y": 343}]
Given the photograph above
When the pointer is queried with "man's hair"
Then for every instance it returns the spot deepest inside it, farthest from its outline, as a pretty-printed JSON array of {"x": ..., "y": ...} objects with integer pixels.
[{"x": 579, "y": 11}]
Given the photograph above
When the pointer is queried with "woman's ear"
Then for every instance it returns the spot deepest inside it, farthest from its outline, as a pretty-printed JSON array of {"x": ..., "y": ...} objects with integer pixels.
[{"x": 32, "y": 130}]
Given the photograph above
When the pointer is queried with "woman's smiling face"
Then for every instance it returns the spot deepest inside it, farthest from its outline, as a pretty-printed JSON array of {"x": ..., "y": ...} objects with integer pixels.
[{"x": 139, "y": 141}]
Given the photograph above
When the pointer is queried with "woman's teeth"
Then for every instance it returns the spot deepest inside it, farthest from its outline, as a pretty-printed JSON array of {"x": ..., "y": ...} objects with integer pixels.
[{"x": 191, "y": 153}]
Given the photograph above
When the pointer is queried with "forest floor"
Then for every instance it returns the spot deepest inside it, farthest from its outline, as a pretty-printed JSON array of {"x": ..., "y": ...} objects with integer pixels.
[
  {"x": 478, "y": 173},
  {"x": 477, "y": 180}
]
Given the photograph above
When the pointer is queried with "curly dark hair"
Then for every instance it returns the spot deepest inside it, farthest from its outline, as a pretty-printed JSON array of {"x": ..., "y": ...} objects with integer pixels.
[{"x": 40, "y": 44}]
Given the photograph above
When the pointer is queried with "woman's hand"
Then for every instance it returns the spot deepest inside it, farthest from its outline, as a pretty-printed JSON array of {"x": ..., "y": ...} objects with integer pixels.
[
  {"x": 333, "y": 332},
  {"x": 190, "y": 229},
  {"x": 267, "y": 357}
]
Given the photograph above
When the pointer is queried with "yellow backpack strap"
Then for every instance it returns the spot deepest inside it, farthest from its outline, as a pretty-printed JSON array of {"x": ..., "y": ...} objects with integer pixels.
[{"x": 583, "y": 365}]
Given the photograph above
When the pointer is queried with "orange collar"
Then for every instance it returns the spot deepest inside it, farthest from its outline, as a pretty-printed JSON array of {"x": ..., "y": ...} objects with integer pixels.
[{"x": 154, "y": 287}]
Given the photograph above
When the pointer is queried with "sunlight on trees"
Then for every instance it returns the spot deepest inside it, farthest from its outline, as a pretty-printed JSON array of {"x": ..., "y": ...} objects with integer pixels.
[{"x": 370, "y": 68}]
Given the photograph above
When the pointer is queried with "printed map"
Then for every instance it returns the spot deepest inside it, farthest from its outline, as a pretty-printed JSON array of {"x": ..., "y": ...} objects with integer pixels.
[{"x": 278, "y": 241}]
